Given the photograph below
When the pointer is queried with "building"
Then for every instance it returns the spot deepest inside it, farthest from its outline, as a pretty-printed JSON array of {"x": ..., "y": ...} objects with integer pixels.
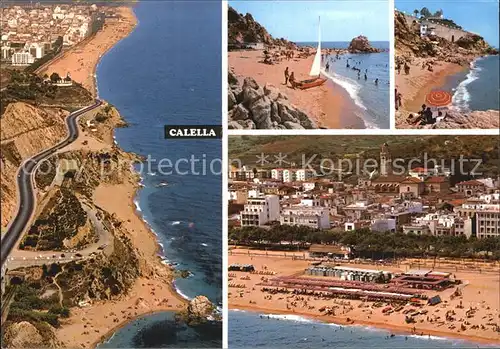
[
  {"x": 383, "y": 225},
  {"x": 437, "y": 184},
  {"x": 488, "y": 222},
  {"x": 277, "y": 173},
  {"x": 313, "y": 217},
  {"x": 471, "y": 188},
  {"x": 385, "y": 160},
  {"x": 411, "y": 187},
  {"x": 260, "y": 210},
  {"x": 22, "y": 59}
]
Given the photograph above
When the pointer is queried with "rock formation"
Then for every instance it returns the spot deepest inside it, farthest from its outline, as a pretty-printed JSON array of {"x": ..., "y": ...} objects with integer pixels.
[
  {"x": 199, "y": 310},
  {"x": 244, "y": 29},
  {"x": 360, "y": 44},
  {"x": 457, "y": 120},
  {"x": 24, "y": 335},
  {"x": 253, "y": 107},
  {"x": 409, "y": 43}
]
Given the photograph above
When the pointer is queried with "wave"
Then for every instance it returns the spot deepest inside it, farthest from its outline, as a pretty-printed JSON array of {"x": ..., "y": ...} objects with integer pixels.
[
  {"x": 137, "y": 206},
  {"x": 347, "y": 84},
  {"x": 204, "y": 244},
  {"x": 176, "y": 223},
  {"x": 295, "y": 318},
  {"x": 461, "y": 97},
  {"x": 180, "y": 292}
]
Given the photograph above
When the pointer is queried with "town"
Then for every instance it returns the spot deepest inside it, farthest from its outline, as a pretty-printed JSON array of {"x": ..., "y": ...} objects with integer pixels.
[
  {"x": 420, "y": 202},
  {"x": 29, "y": 33}
]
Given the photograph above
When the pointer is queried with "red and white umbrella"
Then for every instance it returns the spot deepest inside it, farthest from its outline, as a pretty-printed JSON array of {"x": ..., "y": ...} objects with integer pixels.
[{"x": 438, "y": 99}]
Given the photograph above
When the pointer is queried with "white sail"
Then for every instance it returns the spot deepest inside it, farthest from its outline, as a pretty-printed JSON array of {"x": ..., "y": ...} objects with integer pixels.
[{"x": 316, "y": 66}]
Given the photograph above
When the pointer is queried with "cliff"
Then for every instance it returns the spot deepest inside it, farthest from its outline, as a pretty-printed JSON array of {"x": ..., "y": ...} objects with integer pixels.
[
  {"x": 245, "y": 29},
  {"x": 408, "y": 43},
  {"x": 26, "y": 130},
  {"x": 254, "y": 107}
]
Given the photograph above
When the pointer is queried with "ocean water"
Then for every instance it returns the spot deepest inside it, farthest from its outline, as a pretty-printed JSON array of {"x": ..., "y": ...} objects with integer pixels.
[
  {"x": 372, "y": 100},
  {"x": 253, "y": 330},
  {"x": 478, "y": 87},
  {"x": 168, "y": 72}
]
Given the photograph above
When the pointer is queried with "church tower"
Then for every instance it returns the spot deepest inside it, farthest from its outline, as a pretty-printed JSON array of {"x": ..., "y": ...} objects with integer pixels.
[{"x": 385, "y": 160}]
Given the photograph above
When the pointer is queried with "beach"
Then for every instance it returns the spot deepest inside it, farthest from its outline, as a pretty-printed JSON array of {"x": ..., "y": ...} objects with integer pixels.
[
  {"x": 80, "y": 61},
  {"x": 415, "y": 86},
  {"x": 481, "y": 291},
  {"x": 328, "y": 105}
]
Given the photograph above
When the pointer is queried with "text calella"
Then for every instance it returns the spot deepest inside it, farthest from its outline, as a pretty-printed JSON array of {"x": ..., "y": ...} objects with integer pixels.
[{"x": 193, "y": 131}]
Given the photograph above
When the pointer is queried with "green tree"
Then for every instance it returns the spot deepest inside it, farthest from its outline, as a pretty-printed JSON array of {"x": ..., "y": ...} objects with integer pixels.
[
  {"x": 54, "y": 77},
  {"x": 424, "y": 12},
  {"x": 416, "y": 12}
]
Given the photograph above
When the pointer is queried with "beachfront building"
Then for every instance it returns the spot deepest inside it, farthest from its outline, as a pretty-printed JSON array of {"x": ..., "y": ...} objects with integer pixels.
[
  {"x": 313, "y": 217},
  {"x": 259, "y": 210},
  {"x": 488, "y": 222},
  {"x": 22, "y": 59}
]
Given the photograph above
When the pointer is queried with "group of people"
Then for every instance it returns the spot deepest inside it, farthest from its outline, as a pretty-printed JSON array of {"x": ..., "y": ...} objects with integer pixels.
[
  {"x": 425, "y": 117},
  {"x": 406, "y": 67},
  {"x": 290, "y": 77}
]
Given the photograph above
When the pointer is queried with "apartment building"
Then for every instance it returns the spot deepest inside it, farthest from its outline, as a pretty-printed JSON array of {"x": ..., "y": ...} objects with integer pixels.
[
  {"x": 313, "y": 217},
  {"x": 259, "y": 210}
]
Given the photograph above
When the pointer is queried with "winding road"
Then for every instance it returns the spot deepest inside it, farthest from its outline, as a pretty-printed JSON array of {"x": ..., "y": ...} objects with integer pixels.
[{"x": 26, "y": 203}]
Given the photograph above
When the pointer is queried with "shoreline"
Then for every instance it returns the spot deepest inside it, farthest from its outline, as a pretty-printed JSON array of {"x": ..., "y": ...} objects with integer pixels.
[
  {"x": 376, "y": 325},
  {"x": 151, "y": 290},
  {"x": 82, "y": 59}
]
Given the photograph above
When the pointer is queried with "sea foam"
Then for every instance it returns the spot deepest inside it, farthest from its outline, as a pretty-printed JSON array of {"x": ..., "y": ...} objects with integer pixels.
[{"x": 461, "y": 97}]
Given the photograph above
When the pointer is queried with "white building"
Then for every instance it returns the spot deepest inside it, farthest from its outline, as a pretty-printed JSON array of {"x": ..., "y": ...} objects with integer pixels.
[
  {"x": 259, "y": 210},
  {"x": 277, "y": 173},
  {"x": 488, "y": 222},
  {"x": 314, "y": 217},
  {"x": 22, "y": 58}
]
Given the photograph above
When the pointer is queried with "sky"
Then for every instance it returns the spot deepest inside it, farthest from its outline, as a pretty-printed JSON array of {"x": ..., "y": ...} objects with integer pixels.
[
  {"x": 480, "y": 17},
  {"x": 340, "y": 20}
]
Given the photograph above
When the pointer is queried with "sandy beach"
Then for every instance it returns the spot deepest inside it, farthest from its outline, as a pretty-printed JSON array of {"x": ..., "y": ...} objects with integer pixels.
[
  {"x": 415, "y": 86},
  {"x": 81, "y": 60},
  {"x": 480, "y": 291},
  {"x": 328, "y": 105}
]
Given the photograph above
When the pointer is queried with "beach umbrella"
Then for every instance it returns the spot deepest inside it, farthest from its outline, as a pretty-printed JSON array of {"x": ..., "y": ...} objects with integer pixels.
[{"x": 438, "y": 98}]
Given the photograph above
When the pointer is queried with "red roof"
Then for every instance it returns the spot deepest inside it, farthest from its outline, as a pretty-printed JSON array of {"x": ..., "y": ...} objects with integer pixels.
[
  {"x": 471, "y": 182},
  {"x": 411, "y": 180},
  {"x": 436, "y": 180},
  {"x": 419, "y": 170}
]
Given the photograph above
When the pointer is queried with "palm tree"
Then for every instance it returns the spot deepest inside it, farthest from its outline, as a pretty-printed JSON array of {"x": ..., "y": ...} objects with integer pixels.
[{"x": 416, "y": 12}]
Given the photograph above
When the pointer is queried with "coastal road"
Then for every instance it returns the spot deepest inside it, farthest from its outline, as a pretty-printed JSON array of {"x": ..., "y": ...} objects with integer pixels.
[{"x": 26, "y": 204}]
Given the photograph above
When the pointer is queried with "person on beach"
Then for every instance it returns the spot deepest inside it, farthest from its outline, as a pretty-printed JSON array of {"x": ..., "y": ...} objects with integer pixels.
[
  {"x": 327, "y": 66},
  {"x": 376, "y": 81},
  {"x": 292, "y": 80},
  {"x": 398, "y": 68},
  {"x": 286, "y": 76},
  {"x": 407, "y": 69},
  {"x": 366, "y": 77}
]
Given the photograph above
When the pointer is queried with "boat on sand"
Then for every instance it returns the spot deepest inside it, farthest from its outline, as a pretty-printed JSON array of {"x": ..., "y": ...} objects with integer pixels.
[{"x": 315, "y": 69}]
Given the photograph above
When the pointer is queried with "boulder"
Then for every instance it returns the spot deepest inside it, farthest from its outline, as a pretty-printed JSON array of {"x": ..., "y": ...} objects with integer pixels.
[
  {"x": 234, "y": 125},
  {"x": 240, "y": 113},
  {"x": 293, "y": 125},
  {"x": 360, "y": 44},
  {"x": 261, "y": 113}
]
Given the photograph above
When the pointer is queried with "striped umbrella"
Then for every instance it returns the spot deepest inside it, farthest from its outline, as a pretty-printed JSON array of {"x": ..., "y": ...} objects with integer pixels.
[{"x": 438, "y": 98}]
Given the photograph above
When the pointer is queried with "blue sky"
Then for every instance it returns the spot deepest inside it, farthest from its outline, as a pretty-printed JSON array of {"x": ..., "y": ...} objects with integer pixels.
[
  {"x": 480, "y": 17},
  {"x": 340, "y": 20}
]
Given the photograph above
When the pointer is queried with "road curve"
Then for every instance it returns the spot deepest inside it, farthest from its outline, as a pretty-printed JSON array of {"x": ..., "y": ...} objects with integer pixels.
[{"x": 25, "y": 188}]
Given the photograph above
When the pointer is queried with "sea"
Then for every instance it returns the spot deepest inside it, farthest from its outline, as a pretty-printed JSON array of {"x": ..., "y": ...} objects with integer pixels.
[
  {"x": 372, "y": 100},
  {"x": 168, "y": 72},
  {"x": 478, "y": 87},
  {"x": 254, "y": 330}
]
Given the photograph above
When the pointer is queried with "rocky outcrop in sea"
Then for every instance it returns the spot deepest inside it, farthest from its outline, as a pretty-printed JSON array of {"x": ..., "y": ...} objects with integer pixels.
[
  {"x": 360, "y": 44},
  {"x": 254, "y": 107}
]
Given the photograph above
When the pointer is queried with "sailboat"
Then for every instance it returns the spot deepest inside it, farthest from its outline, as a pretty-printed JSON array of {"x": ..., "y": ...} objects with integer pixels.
[{"x": 315, "y": 68}]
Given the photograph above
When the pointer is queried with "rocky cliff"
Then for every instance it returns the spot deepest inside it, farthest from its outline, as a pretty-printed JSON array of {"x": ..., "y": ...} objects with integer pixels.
[
  {"x": 245, "y": 29},
  {"x": 254, "y": 107},
  {"x": 360, "y": 44},
  {"x": 408, "y": 42},
  {"x": 26, "y": 130},
  {"x": 199, "y": 310}
]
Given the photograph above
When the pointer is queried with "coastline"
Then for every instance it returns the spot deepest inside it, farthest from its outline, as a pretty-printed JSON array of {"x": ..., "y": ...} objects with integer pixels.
[
  {"x": 82, "y": 59},
  {"x": 402, "y": 330},
  {"x": 154, "y": 290},
  {"x": 479, "y": 292}
]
